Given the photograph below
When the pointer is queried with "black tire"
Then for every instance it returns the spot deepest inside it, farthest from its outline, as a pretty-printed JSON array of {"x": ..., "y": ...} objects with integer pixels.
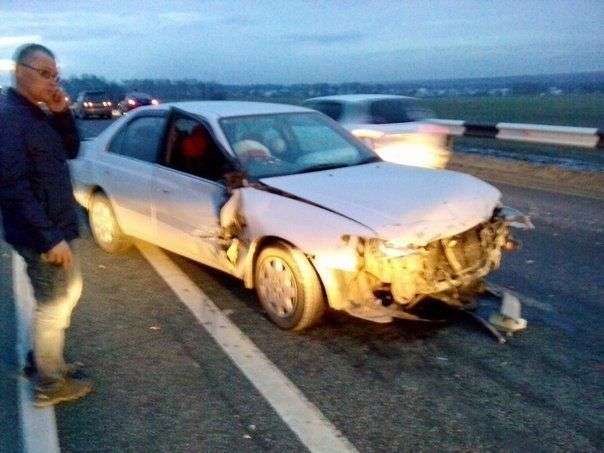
[
  {"x": 304, "y": 306},
  {"x": 103, "y": 224}
]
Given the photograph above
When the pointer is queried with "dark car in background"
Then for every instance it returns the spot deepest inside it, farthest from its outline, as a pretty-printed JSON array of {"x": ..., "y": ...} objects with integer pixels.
[
  {"x": 134, "y": 100},
  {"x": 93, "y": 103}
]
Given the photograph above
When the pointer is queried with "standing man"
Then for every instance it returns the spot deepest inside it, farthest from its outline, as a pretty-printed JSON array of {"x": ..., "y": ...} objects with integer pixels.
[{"x": 39, "y": 211}]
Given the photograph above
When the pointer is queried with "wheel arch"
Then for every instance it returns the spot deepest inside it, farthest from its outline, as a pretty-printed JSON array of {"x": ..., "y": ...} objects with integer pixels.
[
  {"x": 252, "y": 255},
  {"x": 84, "y": 197},
  {"x": 99, "y": 189},
  {"x": 334, "y": 292}
]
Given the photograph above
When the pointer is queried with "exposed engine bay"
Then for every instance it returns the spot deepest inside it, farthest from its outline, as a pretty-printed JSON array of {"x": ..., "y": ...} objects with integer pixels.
[{"x": 450, "y": 270}]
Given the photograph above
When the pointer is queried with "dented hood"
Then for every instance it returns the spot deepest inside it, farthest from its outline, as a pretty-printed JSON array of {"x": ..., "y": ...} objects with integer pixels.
[{"x": 408, "y": 205}]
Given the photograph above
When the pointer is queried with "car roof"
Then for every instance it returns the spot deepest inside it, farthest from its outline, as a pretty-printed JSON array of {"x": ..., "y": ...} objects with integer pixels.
[
  {"x": 353, "y": 98},
  {"x": 220, "y": 109}
]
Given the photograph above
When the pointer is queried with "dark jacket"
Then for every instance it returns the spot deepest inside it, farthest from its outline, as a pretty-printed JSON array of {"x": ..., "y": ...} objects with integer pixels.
[{"x": 36, "y": 196}]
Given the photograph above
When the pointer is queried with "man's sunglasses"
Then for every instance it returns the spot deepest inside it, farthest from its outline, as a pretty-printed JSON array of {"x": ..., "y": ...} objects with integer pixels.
[{"x": 44, "y": 73}]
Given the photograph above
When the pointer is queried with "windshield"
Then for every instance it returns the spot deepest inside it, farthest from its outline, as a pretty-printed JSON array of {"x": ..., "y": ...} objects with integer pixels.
[
  {"x": 96, "y": 96},
  {"x": 140, "y": 96},
  {"x": 388, "y": 111},
  {"x": 284, "y": 144}
]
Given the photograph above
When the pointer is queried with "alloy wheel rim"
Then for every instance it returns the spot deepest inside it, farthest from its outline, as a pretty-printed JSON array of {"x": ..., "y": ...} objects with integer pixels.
[{"x": 277, "y": 287}]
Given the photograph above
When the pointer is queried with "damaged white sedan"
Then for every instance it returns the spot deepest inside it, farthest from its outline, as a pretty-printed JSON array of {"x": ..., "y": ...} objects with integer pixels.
[{"x": 293, "y": 205}]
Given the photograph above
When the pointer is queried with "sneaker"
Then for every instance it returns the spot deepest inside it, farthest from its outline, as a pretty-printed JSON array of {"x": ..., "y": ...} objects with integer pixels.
[
  {"x": 67, "y": 389},
  {"x": 72, "y": 370}
]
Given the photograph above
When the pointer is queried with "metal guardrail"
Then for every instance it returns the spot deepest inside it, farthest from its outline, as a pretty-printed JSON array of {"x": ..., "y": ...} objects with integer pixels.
[{"x": 585, "y": 137}]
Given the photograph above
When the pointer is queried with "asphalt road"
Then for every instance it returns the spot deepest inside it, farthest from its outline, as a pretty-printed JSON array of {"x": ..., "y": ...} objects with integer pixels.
[{"x": 162, "y": 383}]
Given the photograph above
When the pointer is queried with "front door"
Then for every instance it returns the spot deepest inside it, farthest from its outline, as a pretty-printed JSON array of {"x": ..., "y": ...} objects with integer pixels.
[{"x": 188, "y": 194}]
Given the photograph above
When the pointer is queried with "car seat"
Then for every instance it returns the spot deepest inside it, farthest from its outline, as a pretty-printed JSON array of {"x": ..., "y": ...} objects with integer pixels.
[{"x": 196, "y": 144}]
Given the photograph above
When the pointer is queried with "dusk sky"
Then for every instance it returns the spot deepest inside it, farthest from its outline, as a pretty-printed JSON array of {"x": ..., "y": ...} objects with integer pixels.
[{"x": 266, "y": 41}]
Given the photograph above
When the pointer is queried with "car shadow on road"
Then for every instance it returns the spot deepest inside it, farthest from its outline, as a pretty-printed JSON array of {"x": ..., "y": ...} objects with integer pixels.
[{"x": 439, "y": 318}]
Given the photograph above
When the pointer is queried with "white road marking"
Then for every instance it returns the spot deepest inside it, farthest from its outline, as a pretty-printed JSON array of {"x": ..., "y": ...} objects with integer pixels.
[
  {"x": 38, "y": 426},
  {"x": 304, "y": 419},
  {"x": 525, "y": 300}
]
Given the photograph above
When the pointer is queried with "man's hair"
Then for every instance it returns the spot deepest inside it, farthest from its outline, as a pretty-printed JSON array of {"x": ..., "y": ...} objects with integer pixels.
[{"x": 26, "y": 50}]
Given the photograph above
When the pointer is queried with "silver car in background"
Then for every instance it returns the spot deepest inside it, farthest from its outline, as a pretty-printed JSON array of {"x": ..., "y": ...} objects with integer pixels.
[{"x": 391, "y": 125}]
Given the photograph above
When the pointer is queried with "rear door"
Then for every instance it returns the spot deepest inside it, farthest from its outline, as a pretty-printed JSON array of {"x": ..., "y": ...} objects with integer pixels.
[{"x": 125, "y": 171}]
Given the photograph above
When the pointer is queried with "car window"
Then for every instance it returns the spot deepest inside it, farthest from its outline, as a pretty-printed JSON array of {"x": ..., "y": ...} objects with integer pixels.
[
  {"x": 290, "y": 143},
  {"x": 96, "y": 96},
  {"x": 115, "y": 146},
  {"x": 190, "y": 148},
  {"x": 311, "y": 136},
  {"x": 387, "y": 111},
  {"x": 331, "y": 109},
  {"x": 142, "y": 138}
]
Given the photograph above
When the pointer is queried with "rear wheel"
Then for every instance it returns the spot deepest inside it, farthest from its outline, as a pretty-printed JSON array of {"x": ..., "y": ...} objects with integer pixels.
[
  {"x": 288, "y": 287},
  {"x": 105, "y": 229}
]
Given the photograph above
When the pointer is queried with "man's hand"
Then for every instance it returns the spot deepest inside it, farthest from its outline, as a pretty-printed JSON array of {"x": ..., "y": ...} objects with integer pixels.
[
  {"x": 58, "y": 102},
  {"x": 59, "y": 255}
]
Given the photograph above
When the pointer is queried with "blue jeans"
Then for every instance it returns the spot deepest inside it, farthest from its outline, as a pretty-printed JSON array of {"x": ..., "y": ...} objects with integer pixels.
[{"x": 57, "y": 291}]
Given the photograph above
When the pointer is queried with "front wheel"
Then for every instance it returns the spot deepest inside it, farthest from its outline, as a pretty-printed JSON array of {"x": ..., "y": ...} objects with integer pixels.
[
  {"x": 288, "y": 287},
  {"x": 104, "y": 226}
]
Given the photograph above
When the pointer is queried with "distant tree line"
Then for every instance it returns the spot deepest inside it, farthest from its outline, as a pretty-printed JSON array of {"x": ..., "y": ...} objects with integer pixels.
[
  {"x": 163, "y": 89},
  {"x": 188, "y": 89}
]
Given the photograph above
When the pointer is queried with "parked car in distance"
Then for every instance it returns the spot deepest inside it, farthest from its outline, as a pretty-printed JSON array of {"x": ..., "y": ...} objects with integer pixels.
[
  {"x": 134, "y": 100},
  {"x": 95, "y": 103},
  {"x": 296, "y": 207},
  {"x": 391, "y": 125}
]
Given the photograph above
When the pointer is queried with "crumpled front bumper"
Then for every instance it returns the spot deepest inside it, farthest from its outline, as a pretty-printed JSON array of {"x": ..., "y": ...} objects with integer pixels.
[
  {"x": 447, "y": 269},
  {"x": 451, "y": 269}
]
